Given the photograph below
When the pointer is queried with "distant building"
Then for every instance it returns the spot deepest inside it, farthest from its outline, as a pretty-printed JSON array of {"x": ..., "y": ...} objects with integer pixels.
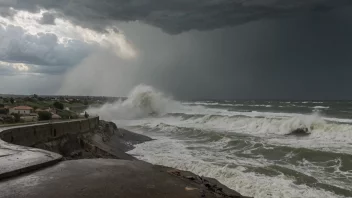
[{"x": 23, "y": 110}]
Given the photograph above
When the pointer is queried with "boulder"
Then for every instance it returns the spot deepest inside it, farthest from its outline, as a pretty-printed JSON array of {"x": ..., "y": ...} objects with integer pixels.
[{"x": 300, "y": 132}]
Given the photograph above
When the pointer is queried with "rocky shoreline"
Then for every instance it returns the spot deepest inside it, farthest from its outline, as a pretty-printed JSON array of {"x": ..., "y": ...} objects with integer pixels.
[{"x": 118, "y": 141}]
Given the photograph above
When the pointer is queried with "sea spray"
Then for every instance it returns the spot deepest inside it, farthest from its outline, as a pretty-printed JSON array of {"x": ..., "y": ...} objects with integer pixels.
[{"x": 142, "y": 101}]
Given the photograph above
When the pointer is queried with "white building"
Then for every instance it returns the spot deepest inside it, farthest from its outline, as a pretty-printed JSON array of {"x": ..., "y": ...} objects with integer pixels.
[{"x": 23, "y": 110}]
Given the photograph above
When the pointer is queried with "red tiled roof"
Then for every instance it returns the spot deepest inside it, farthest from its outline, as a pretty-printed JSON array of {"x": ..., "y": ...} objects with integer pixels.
[{"x": 23, "y": 108}]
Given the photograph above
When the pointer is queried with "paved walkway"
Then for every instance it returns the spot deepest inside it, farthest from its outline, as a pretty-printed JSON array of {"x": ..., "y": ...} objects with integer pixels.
[
  {"x": 110, "y": 178},
  {"x": 15, "y": 159}
]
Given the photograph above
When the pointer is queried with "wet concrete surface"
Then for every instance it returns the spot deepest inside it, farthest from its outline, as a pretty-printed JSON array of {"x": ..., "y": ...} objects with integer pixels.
[
  {"x": 15, "y": 159},
  {"x": 91, "y": 178}
]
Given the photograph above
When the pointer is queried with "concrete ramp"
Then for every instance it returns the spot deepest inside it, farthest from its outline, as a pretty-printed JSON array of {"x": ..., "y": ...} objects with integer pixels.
[
  {"x": 16, "y": 153},
  {"x": 15, "y": 159}
]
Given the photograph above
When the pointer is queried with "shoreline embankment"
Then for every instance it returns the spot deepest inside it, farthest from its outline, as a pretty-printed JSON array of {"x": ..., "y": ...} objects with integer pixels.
[{"x": 87, "y": 158}]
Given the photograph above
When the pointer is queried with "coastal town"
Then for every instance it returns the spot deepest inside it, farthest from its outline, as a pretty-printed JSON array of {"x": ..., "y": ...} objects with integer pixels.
[{"x": 33, "y": 108}]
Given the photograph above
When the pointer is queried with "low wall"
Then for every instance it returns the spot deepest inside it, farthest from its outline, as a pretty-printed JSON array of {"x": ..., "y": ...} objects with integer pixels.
[{"x": 34, "y": 134}]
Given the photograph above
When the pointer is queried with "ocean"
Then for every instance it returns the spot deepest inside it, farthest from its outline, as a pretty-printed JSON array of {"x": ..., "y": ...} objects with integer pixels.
[{"x": 246, "y": 145}]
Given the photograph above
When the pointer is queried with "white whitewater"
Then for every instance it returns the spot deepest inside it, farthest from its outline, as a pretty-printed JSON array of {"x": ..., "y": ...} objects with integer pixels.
[
  {"x": 150, "y": 112},
  {"x": 143, "y": 101}
]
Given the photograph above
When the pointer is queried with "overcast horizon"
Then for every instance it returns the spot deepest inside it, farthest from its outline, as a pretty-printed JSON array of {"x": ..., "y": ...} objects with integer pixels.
[{"x": 209, "y": 49}]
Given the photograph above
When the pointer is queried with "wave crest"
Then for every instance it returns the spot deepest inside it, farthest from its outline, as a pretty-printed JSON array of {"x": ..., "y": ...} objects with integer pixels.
[{"x": 142, "y": 101}]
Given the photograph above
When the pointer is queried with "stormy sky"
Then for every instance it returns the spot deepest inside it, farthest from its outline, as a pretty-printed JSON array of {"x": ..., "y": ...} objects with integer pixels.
[{"x": 190, "y": 49}]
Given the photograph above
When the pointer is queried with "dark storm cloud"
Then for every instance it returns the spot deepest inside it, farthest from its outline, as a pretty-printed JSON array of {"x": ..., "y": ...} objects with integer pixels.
[
  {"x": 47, "y": 19},
  {"x": 18, "y": 46},
  {"x": 305, "y": 57},
  {"x": 175, "y": 16},
  {"x": 302, "y": 57}
]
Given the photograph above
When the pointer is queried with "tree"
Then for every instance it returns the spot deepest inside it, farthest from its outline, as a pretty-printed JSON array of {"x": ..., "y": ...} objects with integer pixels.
[
  {"x": 85, "y": 102},
  {"x": 17, "y": 117},
  {"x": 58, "y": 105},
  {"x": 4, "y": 111},
  {"x": 86, "y": 115},
  {"x": 2, "y": 105},
  {"x": 12, "y": 100},
  {"x": 44, "y": 115},
  {"x": 35, "y": 96},
  {"x": 29, "y": 99}
]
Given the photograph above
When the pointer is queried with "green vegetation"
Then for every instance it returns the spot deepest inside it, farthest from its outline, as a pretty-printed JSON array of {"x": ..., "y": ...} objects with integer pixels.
[
  {"x": 17, "y": 117},
  {"x": 3, "y": 110},
  {"x": 65, "y": 114},
  {"x": 58, "y": 105},
  {"x": 44, "y": 115},
  {"x": 9, "y": 119}
]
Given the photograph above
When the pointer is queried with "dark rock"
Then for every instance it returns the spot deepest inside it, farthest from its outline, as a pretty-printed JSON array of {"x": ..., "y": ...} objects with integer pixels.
[
  {"x": 300, "y": 132},
  {"x": 190, "y": 177},
  {"x": 116, "y": 140},
  {"x": 76, "y": 154}
]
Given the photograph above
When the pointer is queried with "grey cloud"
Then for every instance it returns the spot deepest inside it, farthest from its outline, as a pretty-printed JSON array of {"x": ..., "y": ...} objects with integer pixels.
[
  {"x": 47, "y": 19},
  {"x": 16, "y": 45},
  {"x": 6, "y": 70},
  {"x": 7, "y": 12},
  {"x": 14, "y": 69},
  {"x": 42, "y": 69},
  {"x": 34, "y": 84},
  {"x": 175, "y": 16}
]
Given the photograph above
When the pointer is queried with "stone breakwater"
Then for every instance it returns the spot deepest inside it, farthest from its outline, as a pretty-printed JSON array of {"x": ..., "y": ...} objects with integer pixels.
[{"x": 87, "y": 158}]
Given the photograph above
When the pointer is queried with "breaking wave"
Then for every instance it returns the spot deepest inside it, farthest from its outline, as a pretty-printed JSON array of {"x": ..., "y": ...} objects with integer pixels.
[
  {"x": 146, "y": 102},
  {"x": 318, "y": 128},
  {"x": 142, "y": 101}
]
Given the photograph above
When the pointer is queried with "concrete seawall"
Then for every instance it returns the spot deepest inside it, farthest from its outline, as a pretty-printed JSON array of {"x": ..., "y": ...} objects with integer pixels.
[
  {"x": 17, "y": 154},
  {"x": 31, "y": 135}
]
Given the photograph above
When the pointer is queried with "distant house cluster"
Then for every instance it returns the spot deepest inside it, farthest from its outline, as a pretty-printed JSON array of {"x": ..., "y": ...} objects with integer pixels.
[
  {"x": 24, "y": 114},
  {"x": 29, "y": 108},
  {"x": 22, "y": 110}
]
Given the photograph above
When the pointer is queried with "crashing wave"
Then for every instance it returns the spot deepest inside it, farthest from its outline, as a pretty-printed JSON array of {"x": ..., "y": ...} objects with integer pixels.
[
  {"x": 146, "y": 102},
  {"x": 143, "y": 101},
  {"x": 255, "y": 125}
]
